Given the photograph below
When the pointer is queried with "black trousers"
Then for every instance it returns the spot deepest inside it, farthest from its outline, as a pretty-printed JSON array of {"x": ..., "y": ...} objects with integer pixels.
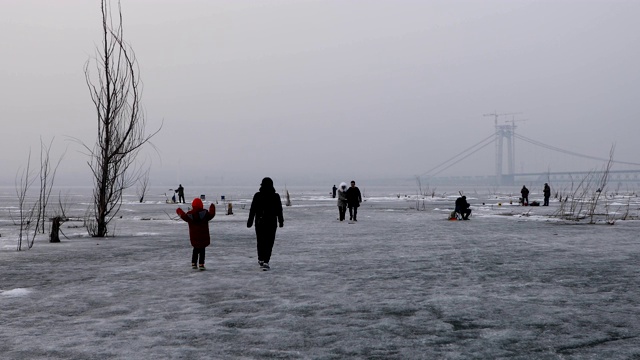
[
  {"x": 197, "y": 252},
  {"x": 546, "y": 201},
  {"x": 266, "y": 236},
  {"x": 343, "y": 211},
  {"x": 353, "y": 212},
  {"x": 181, "y": 198}
]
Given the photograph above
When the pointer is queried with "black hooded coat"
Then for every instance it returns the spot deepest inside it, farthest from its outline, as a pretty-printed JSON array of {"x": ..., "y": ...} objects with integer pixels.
[{"x": 266, "y": 208}]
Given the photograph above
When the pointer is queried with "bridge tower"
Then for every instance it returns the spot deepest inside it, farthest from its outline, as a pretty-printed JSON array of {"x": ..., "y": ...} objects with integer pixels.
[{"x": 502, "y": 132}]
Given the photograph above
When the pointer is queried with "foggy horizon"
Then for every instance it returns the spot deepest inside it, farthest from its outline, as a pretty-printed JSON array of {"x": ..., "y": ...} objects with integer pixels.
[{"x": 323, "y": 92}]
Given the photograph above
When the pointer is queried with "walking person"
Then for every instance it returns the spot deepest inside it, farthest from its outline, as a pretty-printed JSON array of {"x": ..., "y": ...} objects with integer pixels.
[
  {"x": 354, "y": 198},
  {"x": 198, "y": 220},
  {"x": 180, "y": 191},
  {"x": 525, "y": 195},
  {"x": 342, "y": 201},
  {"x": 547, "y": 194},
  {"x": 266, "y": 210}
]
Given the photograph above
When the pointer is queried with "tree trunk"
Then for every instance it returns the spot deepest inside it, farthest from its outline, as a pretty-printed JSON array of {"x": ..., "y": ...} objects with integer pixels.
[{"x": 55, "y": 230}]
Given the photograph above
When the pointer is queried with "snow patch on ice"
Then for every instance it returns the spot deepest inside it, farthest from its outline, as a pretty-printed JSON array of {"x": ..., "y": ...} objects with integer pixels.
[
  {"x": 15, "y": 292},
  {"x": 146, "y": 234}
]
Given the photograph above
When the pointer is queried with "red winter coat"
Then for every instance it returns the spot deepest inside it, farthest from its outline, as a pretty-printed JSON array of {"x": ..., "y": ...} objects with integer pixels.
[{"x": 198, "y": 220}]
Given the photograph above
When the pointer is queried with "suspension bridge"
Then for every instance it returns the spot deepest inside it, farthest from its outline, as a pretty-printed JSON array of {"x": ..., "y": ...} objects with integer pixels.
[{"x": 505, "y": 136}]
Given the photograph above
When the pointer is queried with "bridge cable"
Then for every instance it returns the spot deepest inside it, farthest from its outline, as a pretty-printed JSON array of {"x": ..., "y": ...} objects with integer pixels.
[
  {"x": 466, "y": 156},
  {"x": 549, "y": 147},
  {"x": 492, "y": 137}
]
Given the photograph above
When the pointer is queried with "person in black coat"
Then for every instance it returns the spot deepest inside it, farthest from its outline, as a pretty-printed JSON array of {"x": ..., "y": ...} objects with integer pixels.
[
  {"x": 525, "y": 195},
  {"x": 462, "y": 207},
  {"x": 354, "y": 198},
  {"x": 266, "y": 210},
  {"x": 180, "y": 191},
  {"x": 547, "y": 194}
]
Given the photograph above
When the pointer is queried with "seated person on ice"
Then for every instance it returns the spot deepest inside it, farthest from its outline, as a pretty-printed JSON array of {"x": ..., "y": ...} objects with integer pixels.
[{"x": 462, "y": 207}]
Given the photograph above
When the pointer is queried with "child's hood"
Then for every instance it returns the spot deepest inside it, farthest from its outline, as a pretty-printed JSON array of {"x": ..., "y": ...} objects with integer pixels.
[{"x": 197, "y": 205}]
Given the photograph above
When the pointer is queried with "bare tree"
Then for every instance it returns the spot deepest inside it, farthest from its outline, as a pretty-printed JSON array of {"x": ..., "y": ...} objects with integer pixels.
[
  {"x": 572, "y": 208},
  {"x": 58, "y": 219},
  {"x": 143, "y": 185},
  {"x": 583, "y": 199},
  {"x": 47, "y": 177},
  {"x": 420, "y": 194},
  {"x": 115, "y": 91},
  {"x": 22, "y": 183},
  {"x": 602, "y": 184}
]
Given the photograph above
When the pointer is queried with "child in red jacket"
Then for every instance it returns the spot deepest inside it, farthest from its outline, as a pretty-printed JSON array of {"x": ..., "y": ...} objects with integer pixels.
[{"x": 198, "y": 220}]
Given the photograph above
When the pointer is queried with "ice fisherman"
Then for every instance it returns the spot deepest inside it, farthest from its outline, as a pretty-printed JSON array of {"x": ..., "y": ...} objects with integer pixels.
[
  {"x": 462, "y": 207},
  {"x": 547, "y": 194},
  {"x": 342, "y": 201},
  {"x": 266, "y": 210},
  {"x": 334, "y": 189},
  {"x": 180, "y": 191},
  {"x": 354, "y": 198},
  {"x": 198, "y": 219},
  {"x": 525, "y": 195}
]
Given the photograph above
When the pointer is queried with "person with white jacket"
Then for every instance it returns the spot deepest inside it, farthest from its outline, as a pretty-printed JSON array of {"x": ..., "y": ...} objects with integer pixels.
[{"x": 342, "y": 200}]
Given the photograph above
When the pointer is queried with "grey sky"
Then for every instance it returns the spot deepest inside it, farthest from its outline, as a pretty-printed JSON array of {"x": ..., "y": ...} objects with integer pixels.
[{"x": 335, "y": 90}]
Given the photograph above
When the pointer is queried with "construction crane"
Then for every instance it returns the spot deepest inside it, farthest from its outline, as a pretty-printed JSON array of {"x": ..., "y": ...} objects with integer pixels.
[{"x": 496, "y": 115}]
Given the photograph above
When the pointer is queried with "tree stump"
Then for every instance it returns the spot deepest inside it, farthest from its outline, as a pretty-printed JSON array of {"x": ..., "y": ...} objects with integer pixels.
[{"x": 55, "y": 229}]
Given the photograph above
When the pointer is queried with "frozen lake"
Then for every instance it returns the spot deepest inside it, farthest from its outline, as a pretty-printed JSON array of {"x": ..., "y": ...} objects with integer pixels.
[{"x": 402, "y": 283}]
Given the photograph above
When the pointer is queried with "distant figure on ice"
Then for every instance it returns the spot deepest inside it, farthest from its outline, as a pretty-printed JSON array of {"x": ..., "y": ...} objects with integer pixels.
[
  {"x": 547, "y": 194},
  {"x": 198, "y": 220},
  {"x": 266, "y": 209},
  {"x": 354, "y": 198},
  {"x": 334, "y": 191},
  {"x": 525, "y": 195},
  {"x": 342, "y": 201},
  {"x": 462, "y": 207},
  {"x": 180, "y": 191}
]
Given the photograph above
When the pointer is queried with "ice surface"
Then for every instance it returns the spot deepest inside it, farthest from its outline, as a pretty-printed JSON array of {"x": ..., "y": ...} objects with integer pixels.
[{"x": 399, "y": 284}]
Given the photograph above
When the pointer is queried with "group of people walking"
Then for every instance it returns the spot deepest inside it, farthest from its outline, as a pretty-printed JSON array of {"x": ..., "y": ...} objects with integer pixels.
[
  {"x": 265, "y": 213},
  {"x": 348, "y": 197}
]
